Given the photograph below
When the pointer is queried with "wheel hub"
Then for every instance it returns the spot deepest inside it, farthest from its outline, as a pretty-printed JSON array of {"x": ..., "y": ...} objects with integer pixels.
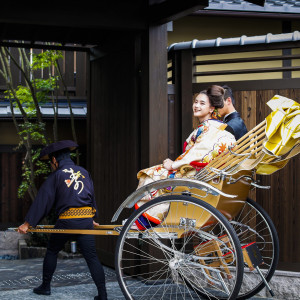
[{"x": 174, "y": 263}]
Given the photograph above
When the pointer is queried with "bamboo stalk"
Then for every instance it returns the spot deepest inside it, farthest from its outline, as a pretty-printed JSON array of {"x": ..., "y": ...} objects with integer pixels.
[
  {"x": 244, "y": 144},
  {"x": 253, "y": 130},
  {"x": 238, "y": 159},
  {"x": 240, "y": 143},
  {"x": 223, "y": 155},
  {"x": 252, "y": 153},
  {"x": 230, "y": 159},
  {"x": 232, "y": 156}
]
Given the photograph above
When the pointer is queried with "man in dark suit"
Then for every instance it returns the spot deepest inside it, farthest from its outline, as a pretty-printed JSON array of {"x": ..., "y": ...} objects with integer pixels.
[{"x": 230, "y": 115}]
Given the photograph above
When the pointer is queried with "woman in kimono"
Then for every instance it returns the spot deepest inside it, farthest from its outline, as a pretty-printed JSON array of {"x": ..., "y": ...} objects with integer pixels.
[{"x": 209, "y": 139}]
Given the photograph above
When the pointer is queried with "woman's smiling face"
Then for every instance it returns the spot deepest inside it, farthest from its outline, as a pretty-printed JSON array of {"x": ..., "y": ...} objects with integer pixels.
[{"x": 202, "y": 108}]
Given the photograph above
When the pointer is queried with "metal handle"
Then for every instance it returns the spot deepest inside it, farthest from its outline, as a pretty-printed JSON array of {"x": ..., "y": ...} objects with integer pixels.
[{"x": 253, "y": 182}]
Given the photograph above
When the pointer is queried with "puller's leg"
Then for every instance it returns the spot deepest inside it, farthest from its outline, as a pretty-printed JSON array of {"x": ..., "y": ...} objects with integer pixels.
[
  {"x": 87, "y": 246},
  {"x": 55, "y": 244}
]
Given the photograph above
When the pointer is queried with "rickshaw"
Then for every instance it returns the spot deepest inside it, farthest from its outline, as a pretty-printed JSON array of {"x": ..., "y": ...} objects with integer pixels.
[{"x": 214, "y": 242}]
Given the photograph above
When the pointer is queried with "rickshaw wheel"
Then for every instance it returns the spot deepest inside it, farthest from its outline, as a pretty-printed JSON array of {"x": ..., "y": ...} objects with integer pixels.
[
  {"x": 179, "y": 259},
  {"x": 253, "y": 224}
]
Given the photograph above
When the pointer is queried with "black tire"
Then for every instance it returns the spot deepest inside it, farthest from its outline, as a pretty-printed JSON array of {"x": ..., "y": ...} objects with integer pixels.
[
  {"x": 268, "y": 232},
  {"x": 132, "y": 267}
]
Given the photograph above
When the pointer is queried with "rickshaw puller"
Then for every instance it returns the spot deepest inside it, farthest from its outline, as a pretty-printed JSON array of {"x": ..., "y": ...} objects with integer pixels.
[{"x": 69, "y": 188}]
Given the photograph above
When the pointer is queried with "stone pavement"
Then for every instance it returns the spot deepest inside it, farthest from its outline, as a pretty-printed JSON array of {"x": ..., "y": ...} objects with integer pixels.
[{"x": 71, "y": 280}]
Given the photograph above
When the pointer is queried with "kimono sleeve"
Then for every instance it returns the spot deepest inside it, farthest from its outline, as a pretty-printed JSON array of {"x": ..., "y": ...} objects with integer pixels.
[
  {"x": 186, "y": 157},
  {"x": 182, "y": 159},
  {"x": 207, "y": 146}
]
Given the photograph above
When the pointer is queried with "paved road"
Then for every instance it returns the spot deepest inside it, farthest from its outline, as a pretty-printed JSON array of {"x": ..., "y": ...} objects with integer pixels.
[{"x": 71, "y": 280}]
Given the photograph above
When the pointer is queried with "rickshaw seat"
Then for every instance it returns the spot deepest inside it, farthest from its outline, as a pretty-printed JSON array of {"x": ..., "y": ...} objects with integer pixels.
[{"x": 266, "y": 148}]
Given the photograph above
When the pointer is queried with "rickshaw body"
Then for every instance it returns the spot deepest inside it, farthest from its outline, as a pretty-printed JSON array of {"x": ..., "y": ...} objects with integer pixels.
[{"x": 217, "y": 223}]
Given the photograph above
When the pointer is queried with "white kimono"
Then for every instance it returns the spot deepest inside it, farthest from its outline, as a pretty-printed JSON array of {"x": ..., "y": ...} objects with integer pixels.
[{"x": 204, "y": 144}]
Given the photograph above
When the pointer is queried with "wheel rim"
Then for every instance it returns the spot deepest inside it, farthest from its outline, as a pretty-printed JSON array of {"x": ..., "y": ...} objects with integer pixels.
[
  {"x": 254, "y": 225},
  {"x": 156, "y": 264}
]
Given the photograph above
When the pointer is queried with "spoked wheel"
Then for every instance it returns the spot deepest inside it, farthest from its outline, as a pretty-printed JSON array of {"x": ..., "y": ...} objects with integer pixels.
[
  {"x": 253, "y": 224},
  {"x": 192, "y": 254}
]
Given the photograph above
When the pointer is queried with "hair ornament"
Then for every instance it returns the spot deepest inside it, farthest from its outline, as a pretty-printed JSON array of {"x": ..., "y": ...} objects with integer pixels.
[{"x": 215, "y": 114}]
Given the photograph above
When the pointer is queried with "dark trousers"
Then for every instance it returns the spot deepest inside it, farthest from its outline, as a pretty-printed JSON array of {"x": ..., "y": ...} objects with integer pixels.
[{"x": 86, "y": 244}]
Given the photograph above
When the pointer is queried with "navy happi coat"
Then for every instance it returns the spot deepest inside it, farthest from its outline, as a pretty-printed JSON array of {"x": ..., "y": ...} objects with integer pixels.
[{"x": 69, "y": 186}]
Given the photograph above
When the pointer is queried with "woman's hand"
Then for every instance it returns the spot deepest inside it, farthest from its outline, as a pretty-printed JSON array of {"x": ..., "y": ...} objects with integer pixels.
[
  {"x": 167, "y": 164},
  {"x": 23, "y": 228}
]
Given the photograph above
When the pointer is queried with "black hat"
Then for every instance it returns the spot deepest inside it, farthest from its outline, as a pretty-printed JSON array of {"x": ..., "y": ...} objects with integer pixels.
[{"x": 65, "y": 144}]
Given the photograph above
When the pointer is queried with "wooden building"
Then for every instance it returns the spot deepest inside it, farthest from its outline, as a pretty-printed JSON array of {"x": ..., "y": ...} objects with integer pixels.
[
  {"x": 251, "y": 96},
  {"x": 255, "y": 72},
  {"x": 127, "y": 93}
]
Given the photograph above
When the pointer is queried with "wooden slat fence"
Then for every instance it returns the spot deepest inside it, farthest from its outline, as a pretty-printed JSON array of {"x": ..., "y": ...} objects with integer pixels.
[
  {"x": 12, "y": 209},
  {"x": 73, "y": 68},
  {"x": 282, "y": 201}
]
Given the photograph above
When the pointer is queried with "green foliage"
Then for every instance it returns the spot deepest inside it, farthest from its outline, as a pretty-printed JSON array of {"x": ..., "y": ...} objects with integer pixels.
[
  {"x": 34, "y": 130},
  {"x": 45, "y": 59},
  {"x": 27, "y": 98},
  {"x": 43, "y": 88},
  {"x": 41, "y": 168}
]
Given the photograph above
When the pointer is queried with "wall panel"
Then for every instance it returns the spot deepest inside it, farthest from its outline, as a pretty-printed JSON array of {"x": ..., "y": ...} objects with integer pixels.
[{"x": 114, "y": 138}]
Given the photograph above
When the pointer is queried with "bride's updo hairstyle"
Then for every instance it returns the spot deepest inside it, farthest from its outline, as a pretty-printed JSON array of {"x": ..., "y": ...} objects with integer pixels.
[{"x": 215, "y": 94}]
